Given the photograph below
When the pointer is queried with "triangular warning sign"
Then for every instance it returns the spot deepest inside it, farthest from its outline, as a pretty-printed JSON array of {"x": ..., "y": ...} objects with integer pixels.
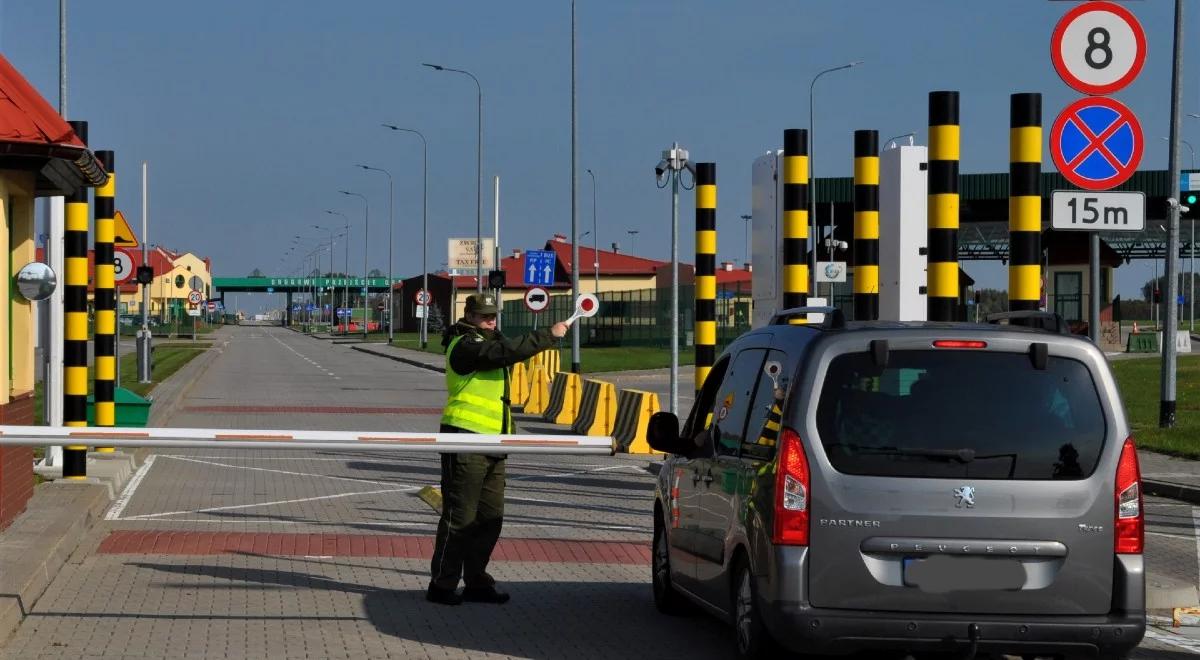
[{"x": 122, "y": 233}]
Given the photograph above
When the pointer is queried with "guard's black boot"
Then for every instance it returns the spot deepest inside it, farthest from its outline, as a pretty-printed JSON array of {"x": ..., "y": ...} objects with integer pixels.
[
  {"x": 486, "y": 594},
  {"x": 443, "y": 596}
]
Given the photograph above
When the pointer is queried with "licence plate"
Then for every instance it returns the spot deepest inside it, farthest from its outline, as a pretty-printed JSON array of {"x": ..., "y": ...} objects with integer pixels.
[{"x": 944, "y": 573}]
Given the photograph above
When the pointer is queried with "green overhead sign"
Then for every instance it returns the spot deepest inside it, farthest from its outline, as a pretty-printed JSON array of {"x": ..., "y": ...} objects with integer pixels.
[{"x": 282, "y": 284}]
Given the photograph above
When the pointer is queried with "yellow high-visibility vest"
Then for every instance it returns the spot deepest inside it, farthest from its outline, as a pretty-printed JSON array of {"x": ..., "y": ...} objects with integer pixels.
[{"x": 476, "y": 400}]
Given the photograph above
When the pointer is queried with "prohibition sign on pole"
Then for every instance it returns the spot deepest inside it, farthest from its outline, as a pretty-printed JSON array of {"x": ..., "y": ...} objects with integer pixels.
[
  {"x": 537, "y": 299},
  {"x": 1096, "y": 143},
  {"x": 422, "y": 297},
  {"x": 1098, "y": 47}
]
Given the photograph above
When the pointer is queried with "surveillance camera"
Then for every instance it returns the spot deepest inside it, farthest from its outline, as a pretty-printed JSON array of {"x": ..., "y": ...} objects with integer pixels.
[
  {"x": 661, "y": 168},
  {"x": 1172, "y": 202}
]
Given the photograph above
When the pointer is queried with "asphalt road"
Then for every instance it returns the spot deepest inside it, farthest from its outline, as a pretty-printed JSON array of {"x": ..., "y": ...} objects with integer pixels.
[{"x": 255, "y": 554}]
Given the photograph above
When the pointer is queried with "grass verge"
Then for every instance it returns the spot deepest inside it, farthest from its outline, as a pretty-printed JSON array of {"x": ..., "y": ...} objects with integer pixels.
[
  {"x": 1139, "y": 383},
  {"x": 167, "y": 360}
]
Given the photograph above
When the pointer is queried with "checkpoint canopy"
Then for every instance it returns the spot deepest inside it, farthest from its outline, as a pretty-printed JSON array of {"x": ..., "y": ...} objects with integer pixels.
[{"x": 297, "y": 284}]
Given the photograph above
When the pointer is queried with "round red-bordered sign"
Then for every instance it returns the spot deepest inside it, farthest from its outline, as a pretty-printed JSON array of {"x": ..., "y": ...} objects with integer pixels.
[
  {"x": 1098, "y": 47},
  {"x": 1096, "y": 143},
  {"x": 537, "y": 299},
  {"x": 422, "y": 297}
]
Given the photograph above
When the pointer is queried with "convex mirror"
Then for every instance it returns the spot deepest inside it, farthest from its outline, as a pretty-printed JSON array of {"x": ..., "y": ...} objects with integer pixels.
[{"x": 36, "y": 281}]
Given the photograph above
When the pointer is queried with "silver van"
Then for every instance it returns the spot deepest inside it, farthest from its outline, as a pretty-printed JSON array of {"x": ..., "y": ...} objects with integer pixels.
[{"x": 918, "y": 487}]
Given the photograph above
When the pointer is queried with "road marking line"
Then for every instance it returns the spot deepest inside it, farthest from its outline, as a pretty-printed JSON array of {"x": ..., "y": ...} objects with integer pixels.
[
  {"x": 575, "y": 474},
  {"x": 1196, "y": 532},
  {"x": 287, "y": 472},
  {"x": 130, "y": 488},
  {"x": 233, "y": 507},
  {"x": 1174, "y": 640},
  {"x": 432, "y": 524}
]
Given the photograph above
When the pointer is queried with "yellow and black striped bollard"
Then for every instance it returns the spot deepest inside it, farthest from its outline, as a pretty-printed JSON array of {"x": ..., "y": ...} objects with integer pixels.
[
  {"x": 1025, "y": 202},
  {"x": 795, "y": 220},
  {"x": 105, "y": 299},
  {"x": 706, "y": 270},
  {"x": 866, "y": 225},
  {"x": 75, "y": 317},
  {"x": 942, "y": 290}
]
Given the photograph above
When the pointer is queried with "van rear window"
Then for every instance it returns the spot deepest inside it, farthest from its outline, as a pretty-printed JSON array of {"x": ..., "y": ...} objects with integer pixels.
[{"x": 958, "y": 414}]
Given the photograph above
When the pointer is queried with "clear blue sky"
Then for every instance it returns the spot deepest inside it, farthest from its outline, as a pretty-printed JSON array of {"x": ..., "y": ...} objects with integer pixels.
[{"x": 253, "y": 114}]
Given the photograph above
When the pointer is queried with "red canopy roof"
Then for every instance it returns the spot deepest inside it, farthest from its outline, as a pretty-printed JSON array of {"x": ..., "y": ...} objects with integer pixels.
[
  {"x": 27, "y": 117},
  {"x": 32, "y": 131}
]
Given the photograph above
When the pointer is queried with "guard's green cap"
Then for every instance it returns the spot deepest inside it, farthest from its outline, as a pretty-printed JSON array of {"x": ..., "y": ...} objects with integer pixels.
[{"x": 482, "y": 303}]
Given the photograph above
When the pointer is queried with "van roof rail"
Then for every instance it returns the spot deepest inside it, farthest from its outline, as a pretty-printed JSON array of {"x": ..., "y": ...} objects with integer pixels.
[
  {"x": 834, "y": 319},
  {"x": 1048, "y": 321}
]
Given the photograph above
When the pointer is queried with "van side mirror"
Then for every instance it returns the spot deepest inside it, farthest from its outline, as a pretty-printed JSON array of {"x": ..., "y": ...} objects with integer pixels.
[{"x": 662, "y": 433}]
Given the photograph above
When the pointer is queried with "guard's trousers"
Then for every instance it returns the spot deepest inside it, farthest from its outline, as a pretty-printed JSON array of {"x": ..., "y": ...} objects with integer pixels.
[{"x": 472, "y": 515}]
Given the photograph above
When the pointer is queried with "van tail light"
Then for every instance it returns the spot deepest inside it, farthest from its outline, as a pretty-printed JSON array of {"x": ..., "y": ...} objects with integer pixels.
[
  {"x": 791, "y": 492},
  {"x": 1130, "y": 515}
]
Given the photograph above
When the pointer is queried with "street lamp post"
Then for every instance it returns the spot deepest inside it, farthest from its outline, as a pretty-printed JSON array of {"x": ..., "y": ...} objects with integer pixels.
[
  {"x": 747, "y": 218},
  {"x": 391, "y": 224},
  {"x": 366, "y": 224},
  {"x": 595, "y": 235},
  {"x": 346, "y": 286},
  {"x": 812, "y": 191},
  {"x": 331, "y": 305},
  {"x": 669, "y": 169},
  {"x": 424, "y": 226},
  {"x": 478, "y": 176}
]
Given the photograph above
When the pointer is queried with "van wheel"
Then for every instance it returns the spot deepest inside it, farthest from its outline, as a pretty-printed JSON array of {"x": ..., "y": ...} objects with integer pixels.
[
  {"x": 753, "y": 639},
  {"x": 666, "y": 598}
]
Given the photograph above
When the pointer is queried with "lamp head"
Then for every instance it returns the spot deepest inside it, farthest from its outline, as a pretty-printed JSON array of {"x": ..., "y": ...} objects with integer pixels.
[{"x": 433, "y": 66}]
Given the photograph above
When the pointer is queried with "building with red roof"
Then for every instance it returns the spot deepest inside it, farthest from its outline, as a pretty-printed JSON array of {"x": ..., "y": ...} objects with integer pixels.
[
  {"x": 615, "y": 270},
  {"x": 40, "y": 156}
]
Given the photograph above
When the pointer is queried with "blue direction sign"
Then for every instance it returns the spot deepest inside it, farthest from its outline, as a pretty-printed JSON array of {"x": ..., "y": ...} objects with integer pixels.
[
  {"x": 539, "y": 267},
  {"x": 1096, "y": 143}
]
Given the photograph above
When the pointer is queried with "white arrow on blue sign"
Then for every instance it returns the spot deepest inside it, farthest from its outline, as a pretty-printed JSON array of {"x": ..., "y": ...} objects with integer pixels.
[{"x": 539, "y": 267}]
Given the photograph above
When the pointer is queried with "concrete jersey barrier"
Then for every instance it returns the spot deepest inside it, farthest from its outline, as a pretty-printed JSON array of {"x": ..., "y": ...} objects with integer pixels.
[
  {"x": 565, "y": 393},
  {"x": 634, "y": 408},
  {"x": 597, "y": 409}
]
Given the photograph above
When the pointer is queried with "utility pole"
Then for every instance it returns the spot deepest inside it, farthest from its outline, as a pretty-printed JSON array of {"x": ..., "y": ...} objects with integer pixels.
[
  {"x": 575, "y": 365},
  {"x": 1166, "y": 409},
  {"x": 674, "y": 162}
]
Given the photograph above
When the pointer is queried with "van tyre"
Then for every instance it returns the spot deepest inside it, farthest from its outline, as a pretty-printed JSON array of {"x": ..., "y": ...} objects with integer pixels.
[
  {"x": 666, "y": 598},
  {"x": 753, "y": 639}
]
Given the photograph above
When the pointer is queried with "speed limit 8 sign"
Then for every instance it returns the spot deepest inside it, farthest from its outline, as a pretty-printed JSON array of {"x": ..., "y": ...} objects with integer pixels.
[
  {"x": 1098, "y": 47},
  {"x": 122, "y": 266}
]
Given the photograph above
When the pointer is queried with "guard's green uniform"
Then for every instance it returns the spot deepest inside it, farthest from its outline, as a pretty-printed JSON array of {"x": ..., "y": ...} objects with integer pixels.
[{"x": 477, "y": 382}]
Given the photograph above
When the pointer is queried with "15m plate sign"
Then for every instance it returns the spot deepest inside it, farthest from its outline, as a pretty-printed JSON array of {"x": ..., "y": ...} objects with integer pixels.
[{"x": 1098, "y": 211}]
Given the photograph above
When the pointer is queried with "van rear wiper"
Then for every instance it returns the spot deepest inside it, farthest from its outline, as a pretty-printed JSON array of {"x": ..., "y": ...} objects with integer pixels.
[{"x": 964, "y": 455}]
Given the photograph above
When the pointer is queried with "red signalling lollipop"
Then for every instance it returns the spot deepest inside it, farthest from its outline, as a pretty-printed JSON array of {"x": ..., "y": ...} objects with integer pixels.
[{"x": 586, "y": 306}]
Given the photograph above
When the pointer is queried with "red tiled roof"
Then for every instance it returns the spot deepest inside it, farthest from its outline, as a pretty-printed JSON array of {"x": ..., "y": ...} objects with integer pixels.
[
  {"x": 611, "y": 263},
  {"x": 27, "y": 117},
  {"x": 732, "y": 276}
]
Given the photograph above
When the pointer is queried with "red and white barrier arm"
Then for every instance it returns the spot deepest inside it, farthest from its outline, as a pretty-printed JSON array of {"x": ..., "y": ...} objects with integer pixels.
[{"x": 173, "y": 438}]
